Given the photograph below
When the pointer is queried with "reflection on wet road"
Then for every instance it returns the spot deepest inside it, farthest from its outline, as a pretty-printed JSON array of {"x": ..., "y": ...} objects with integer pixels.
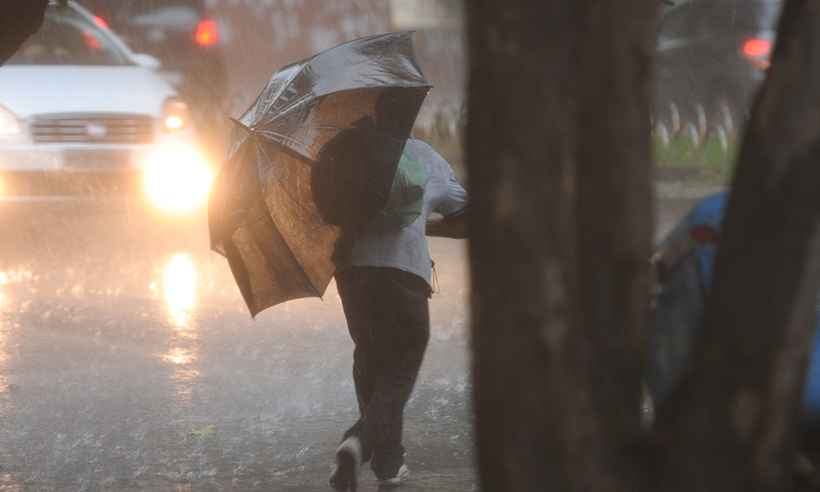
[
  {"x": 128, "y": 362},
  {"x": 179, "y": 285}
]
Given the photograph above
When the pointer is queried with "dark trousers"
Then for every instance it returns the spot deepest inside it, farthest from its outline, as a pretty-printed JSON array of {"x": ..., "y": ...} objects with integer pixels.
[{"x": 388, "y": 318}]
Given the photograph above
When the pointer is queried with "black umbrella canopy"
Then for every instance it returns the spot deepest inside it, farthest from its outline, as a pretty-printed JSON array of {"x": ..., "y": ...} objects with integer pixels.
[
  {"x": 357, "y": 74},
  {"x": 317, "y": 149}
]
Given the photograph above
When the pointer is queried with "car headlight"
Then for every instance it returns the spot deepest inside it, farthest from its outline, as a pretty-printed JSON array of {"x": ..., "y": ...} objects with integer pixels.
[
  {"x": 175, "y": 116},
  {"x": 9, "y": 124},
  {"x": 177, "y": 178}
]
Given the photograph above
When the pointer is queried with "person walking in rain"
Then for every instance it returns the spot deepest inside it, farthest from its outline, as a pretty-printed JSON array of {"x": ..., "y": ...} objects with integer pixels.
[
  {"x": 322, "y": 181},
  {"x": 384, "y": 281}
]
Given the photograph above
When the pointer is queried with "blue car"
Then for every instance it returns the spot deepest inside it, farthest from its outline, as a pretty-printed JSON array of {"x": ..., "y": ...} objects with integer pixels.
[{"x": 684, "y": 263}]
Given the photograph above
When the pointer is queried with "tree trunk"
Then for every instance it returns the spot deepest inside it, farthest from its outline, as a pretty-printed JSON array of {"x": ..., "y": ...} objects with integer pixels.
[
  {"x": 730, "y": 427},
  {"x": 19, "y": 19},
  {"x": 558, "y": 157},
  {"x": 559, "y": 170}
]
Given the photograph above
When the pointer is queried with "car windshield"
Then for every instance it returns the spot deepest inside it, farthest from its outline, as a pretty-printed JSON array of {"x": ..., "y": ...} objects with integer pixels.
[{"x": 69, "y": 38}]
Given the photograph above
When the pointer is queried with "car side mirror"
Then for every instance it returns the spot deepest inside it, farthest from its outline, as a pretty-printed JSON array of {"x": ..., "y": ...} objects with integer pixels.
[{"x": 147, "y": 61}]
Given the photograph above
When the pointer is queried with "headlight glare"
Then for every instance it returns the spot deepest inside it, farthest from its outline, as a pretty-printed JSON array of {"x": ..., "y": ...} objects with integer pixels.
[
  {"x": 175, "y": 116},
  {"x": 177, "y": 178},
  {"x": 9, "y": 124}
]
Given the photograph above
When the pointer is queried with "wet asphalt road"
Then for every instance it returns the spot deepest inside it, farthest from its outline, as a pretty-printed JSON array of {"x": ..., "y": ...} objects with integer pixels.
[{"x": 128, "y": 362}]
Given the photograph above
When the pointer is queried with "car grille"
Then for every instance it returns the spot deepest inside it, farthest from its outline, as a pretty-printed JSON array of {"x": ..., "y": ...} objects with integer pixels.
[{"x": 93, "y": 128}]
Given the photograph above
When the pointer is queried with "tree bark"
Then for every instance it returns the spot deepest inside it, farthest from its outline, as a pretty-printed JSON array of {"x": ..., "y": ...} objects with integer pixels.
[
  {"x": 731, "y": 426},
  {"x": 560, "y": 225},
  {"x": 19, "y": 19}
]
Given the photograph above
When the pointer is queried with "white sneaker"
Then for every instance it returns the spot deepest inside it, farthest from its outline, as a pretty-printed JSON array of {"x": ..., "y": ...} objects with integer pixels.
[
  {"x": 345, "y": 476},
  {"x": 401, "y": 476}
]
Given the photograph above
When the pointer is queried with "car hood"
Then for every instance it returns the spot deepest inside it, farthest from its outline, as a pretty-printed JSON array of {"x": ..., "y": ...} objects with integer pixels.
[{"x": 33, "y": 90}]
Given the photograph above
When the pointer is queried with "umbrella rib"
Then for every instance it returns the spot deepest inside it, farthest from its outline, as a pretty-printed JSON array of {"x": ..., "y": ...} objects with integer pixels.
[
  {"x": 241, "y": 125},
  {"x": 285, "y": 84},
  {"x": 312, "y": 97},
  {"x": 296, "y": 105},
  {"x": 285, "y": 140},
  {"x": 305, "y": 63}
]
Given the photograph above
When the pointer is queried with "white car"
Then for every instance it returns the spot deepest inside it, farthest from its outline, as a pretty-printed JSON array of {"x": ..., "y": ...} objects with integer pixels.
[{"x": 82, "y": 117}]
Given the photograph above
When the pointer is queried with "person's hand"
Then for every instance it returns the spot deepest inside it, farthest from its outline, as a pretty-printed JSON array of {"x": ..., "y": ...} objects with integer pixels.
[
  {"x": 453, "y": 227},
  {"x": 19, "y": 19}
]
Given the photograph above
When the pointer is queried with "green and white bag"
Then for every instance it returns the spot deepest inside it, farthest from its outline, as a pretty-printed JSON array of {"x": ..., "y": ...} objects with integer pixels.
[{"x": 406, "y": 200}]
